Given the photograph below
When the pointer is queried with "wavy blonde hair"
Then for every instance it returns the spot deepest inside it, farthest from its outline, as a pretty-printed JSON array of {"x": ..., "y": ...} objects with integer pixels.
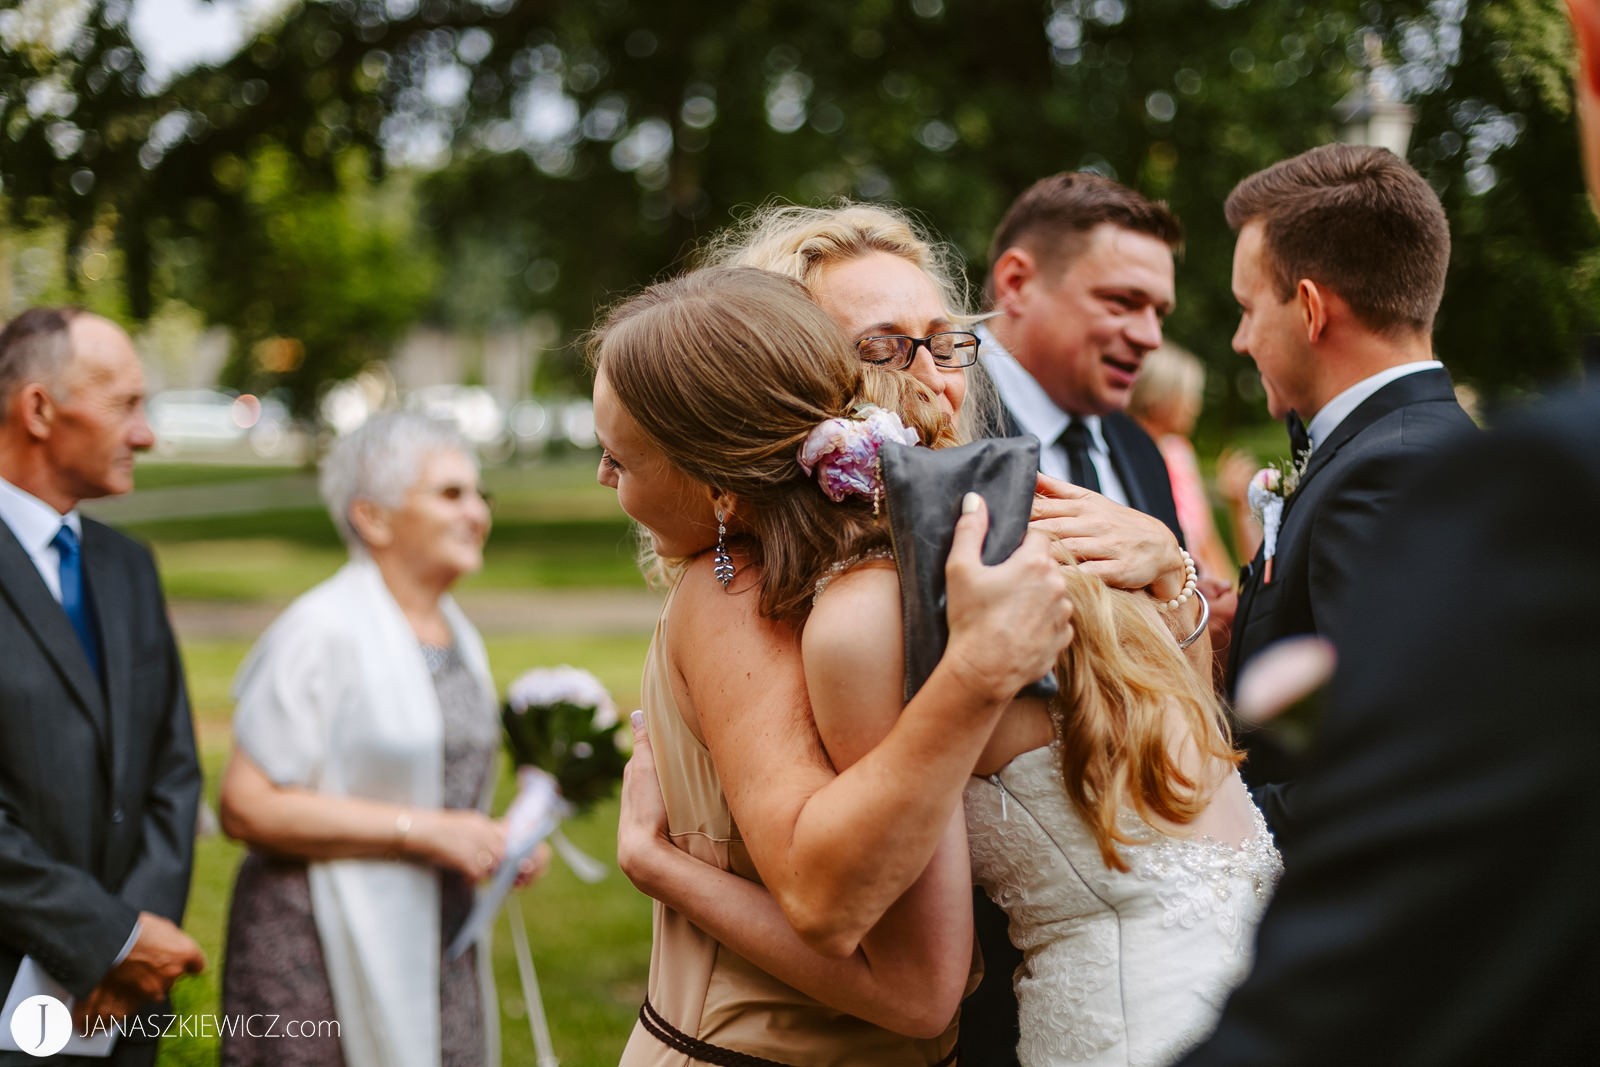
[
  {"x": 726, "y": 371},
  {"x": 1121, "y": 679},
  {"x": 799, "y": 242}
]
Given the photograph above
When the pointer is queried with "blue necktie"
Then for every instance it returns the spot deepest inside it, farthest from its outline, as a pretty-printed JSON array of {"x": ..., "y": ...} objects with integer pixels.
[{"x": 74, "y": 598}]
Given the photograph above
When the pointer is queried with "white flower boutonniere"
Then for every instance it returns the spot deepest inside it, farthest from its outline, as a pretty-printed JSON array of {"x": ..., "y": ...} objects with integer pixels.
[{"x": 1269, "y": 489}]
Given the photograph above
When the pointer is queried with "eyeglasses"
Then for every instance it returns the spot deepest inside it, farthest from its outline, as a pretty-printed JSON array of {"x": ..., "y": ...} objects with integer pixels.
[
  {"x": 950, "y": 349},
  {"x": 454, "y": 492}
]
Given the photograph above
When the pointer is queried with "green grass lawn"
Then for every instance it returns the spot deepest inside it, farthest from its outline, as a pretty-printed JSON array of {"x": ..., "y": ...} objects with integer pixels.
[
  {"x": 159, "y": 474},
  {"x": 591, "y": 944}
]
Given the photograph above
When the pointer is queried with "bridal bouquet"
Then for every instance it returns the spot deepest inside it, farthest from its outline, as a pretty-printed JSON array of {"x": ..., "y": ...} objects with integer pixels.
[
  {"x": 562, "y": 731},
  {"x": 562, "y": 721}
]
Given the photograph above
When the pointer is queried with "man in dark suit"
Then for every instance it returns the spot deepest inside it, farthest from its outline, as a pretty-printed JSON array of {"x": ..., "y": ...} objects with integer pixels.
[
  {"x": 1080, "y": 278},
  {"x": 1437, "y": 905},
  {"x": 99, "y": 780},
  {"x": 1338, "y": 271}
]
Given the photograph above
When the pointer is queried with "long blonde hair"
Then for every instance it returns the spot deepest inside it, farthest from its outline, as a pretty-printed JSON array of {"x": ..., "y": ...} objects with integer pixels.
[
  {"x": 1121, "y": 678},
  {"x": 727, "y": 371}
]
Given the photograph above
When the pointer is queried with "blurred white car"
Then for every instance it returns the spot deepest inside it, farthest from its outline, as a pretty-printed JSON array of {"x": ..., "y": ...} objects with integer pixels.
[
  {"x": 198, "y": 420},
  {"x": 473, "y": 410},
  {"x": 577, "y": 423}
]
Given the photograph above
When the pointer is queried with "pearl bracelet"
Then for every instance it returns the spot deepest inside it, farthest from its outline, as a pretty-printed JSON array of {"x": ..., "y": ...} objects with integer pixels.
[{"x": 1189, "y": 581}]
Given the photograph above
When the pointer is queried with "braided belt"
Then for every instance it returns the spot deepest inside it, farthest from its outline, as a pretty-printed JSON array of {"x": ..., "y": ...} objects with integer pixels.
[{"x": 705, "y": 1052}]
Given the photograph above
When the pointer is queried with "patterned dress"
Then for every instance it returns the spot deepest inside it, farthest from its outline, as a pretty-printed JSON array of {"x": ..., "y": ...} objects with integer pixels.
[{"x": 274, "y": 969}]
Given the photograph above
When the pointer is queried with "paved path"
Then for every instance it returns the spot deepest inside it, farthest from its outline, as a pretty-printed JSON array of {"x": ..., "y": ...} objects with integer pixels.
[{"x": 494, "y": 613}]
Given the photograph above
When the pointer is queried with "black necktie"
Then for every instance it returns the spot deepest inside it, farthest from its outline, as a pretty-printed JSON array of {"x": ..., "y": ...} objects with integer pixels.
[
  {"x": 74, "y": 597},
  {"x": 1299, "y": 440},
  {"x": 1076, "y": 440}
]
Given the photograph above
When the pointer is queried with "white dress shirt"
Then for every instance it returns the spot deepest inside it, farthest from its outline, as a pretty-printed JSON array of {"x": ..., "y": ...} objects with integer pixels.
[
  {"x": 1037, "y": 414},
  {"x": 34, "y": 524},
  {"x": 1339, "y": 408}
]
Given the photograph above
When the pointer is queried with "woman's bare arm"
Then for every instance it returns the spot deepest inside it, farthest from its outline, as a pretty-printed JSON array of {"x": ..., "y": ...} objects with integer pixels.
[
  {"x": 837, "y": 850},
  {"x": 742, "y": 915},
  {"x": 312, "y": 826}
]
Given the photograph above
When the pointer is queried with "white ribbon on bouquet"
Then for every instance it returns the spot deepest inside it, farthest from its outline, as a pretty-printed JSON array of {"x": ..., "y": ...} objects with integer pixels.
[{"x": 535, "y": 815}]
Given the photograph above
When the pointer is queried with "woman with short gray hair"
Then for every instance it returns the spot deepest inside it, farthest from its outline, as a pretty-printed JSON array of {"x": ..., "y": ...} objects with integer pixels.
[{"x": 365, "y": 755}]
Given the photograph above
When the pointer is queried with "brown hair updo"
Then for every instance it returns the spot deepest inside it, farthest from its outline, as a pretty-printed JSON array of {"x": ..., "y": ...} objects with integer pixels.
[{"x": 726, "y": 370}]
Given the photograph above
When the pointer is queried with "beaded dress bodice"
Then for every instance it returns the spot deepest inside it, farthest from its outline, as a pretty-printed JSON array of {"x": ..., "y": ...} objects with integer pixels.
[{"x": 1125, "y": 968}]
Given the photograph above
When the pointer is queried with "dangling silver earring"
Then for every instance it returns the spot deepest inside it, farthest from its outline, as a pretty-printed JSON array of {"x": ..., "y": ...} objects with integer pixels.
[{"x": 722, "y": 569}]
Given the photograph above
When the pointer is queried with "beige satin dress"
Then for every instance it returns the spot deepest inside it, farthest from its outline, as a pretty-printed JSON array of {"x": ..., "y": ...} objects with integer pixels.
[{"x": 704, "y": 989}]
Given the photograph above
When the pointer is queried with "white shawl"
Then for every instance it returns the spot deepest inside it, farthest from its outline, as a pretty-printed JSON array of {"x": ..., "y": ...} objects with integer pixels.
[{"x": 336, "y": 698}]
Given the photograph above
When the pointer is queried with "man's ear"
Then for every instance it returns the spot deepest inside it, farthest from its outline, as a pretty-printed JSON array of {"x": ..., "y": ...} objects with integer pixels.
[
  {"x": 1585, "y": 16},
  {"x": 34, "y": 408},
  {"x": 371, "y": 522},
  {"x": 1313, "y": 304},
  {"x": 1011, "y": 272}
]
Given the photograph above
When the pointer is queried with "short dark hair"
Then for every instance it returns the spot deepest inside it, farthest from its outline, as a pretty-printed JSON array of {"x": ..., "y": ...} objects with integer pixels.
[
  {"x": 1052, "y": 216},
  {"x": 1357, "y": 219},
  {"x": 34, "y": 346}
]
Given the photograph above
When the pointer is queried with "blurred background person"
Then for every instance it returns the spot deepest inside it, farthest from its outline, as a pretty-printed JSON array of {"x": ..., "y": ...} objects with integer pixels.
[
  {"x": 1166, "y": 401},
  {"x": 366, "y": 741}
]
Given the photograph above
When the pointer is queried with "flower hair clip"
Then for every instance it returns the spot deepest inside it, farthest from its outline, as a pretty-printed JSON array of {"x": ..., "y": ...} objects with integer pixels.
[{"x": 843, "y": 452}]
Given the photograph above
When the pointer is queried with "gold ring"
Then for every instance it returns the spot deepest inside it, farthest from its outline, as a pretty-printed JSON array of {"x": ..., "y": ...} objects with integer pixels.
[{"x": 485, "y": 859}]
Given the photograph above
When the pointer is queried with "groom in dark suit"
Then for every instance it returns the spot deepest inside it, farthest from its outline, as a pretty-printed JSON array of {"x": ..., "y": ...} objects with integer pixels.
[
  {"x": 1080, "y": 279},
  {"x": 1437, "y": 905},
  {"x": 1338, "y": 271},
  {"x": 99, "y": 781}
]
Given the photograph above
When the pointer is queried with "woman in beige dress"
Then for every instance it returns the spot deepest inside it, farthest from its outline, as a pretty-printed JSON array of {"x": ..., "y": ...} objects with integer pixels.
[{"x": 706, "y": 389}]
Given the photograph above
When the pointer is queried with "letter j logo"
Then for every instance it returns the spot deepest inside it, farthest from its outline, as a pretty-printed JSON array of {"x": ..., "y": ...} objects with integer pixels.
[{"x": 41, "y": 1025}]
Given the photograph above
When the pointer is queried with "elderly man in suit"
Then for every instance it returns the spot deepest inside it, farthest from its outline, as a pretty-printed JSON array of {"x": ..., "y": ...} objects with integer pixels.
[
  {"x": 1338, "y": 270},
  {"x": 99, "y": 781}
]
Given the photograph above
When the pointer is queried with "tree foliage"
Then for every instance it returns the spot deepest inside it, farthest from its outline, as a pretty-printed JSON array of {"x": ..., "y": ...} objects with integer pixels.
[{"x": 572, "y": 151}]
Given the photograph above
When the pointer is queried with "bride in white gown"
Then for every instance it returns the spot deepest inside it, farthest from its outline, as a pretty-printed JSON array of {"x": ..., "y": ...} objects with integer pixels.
[{"x": 1135, "y": 896}]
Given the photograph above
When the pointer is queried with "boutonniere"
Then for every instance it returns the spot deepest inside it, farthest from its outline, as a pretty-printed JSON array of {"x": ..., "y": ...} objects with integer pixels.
[{"x": 1270, "y": 489}]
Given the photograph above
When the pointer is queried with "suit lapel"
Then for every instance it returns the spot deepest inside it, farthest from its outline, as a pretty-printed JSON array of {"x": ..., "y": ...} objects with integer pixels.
[
  {"x": 1428, "y": 385},
  {"x": 106, "y": 587},
  {"x": 1411, "y": 389},
  {"x": 1122, "y": 453},
  {"x": 39, "y": 611}
]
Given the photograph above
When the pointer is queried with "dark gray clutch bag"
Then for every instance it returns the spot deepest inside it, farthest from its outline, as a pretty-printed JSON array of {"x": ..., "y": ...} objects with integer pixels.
[{"x": 923, "y": 488}]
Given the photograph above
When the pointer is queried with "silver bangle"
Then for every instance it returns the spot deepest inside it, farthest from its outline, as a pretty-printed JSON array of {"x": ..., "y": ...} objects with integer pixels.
[{"x": 1205, "y": 617}]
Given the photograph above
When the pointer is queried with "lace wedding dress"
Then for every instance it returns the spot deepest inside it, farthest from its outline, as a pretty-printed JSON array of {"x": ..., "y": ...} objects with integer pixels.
[{"x": 1124, "y": 968}]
